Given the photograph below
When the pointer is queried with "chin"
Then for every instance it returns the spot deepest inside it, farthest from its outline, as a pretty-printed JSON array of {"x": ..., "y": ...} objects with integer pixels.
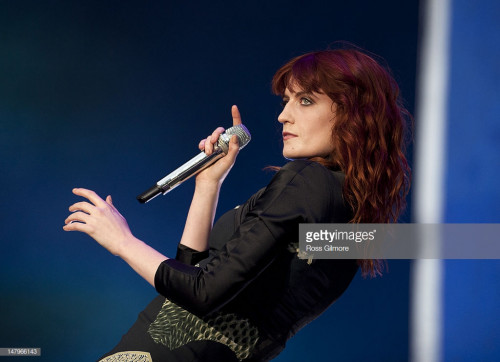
[{"x": 291, "y": 156}]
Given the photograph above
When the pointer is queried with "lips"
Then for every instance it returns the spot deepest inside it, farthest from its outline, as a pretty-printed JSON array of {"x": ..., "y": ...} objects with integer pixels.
[{"x": 288, "y": 135}]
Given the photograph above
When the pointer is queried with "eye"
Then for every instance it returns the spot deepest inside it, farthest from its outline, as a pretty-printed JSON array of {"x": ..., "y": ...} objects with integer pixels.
[
  {"x": 284, "y": 101},
  {"x": 305, "y": 101}
]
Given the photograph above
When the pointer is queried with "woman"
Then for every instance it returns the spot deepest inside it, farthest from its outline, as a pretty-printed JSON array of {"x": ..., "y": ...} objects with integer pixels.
[{"x": 238, "y": 291}]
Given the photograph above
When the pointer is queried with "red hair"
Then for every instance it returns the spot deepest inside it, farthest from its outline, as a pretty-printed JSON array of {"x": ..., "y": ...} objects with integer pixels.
[{"x": 368, "y": 134}]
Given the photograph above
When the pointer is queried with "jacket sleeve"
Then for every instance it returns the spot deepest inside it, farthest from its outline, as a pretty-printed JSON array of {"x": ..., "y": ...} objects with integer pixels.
[
  {"x": 190, "y": 256},
  {"x": 265, "y": 231}
]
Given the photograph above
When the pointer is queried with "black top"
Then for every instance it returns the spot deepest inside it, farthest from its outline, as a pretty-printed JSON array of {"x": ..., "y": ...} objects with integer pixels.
[{"x": 252, "y": 268}]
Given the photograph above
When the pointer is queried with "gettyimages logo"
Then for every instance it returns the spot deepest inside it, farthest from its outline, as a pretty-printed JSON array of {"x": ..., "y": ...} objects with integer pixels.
[
  {"x": 399, "y": 241},
  {"x": 325, "y": 235}
]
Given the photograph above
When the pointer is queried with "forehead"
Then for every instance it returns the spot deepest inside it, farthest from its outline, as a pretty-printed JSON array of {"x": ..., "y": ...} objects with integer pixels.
[
  {"x": 301, "y": 81},
  {"x": 295, "y": 85}
]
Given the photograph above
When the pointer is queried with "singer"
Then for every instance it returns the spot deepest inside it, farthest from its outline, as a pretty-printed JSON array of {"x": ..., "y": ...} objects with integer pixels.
[{"x": 237, "y": 291}]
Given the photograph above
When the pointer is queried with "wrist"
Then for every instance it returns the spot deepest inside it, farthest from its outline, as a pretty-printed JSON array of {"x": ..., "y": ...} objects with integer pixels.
[
  {"x": 208, "y": 185},
  {"x": 126, "y": 246}
]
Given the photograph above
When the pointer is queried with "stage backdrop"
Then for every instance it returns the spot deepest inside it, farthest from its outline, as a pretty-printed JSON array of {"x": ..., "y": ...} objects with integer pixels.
[
  {"x": 114, "y": 95},
  {"x": 471, "y": 290}
]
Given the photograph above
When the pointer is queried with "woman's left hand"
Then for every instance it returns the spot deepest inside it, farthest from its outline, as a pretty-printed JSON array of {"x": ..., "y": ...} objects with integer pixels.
[{"x": 100, "y": 220}]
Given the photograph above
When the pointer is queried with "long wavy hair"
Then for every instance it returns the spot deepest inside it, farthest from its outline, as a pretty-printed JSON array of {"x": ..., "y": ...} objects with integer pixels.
[{"x": 369, "y": 133}]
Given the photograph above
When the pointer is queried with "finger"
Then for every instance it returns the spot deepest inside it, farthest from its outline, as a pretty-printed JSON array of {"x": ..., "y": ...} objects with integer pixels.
[
  {"x": 201, "y": 145},
  {"x": 109, "y": 201},
  {"x": 77, "y": 226},
  {"x": 235, "y": 113},
  {"x": 214, "y": 137},
  {"x": 209, "y": 147},
  {"x": 82, "y": 206},
  {"x": 215, "y": 134},
  {"x": 234, "y": 148},
  {"x": 77, "y": 216},
  {"x": 91, "y": 195}
]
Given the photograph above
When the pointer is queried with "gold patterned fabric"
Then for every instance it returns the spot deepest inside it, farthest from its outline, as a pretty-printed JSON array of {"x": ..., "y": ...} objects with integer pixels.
[
  {"x": 128, "y": 356},
  {"x": 175, "y": 327}
]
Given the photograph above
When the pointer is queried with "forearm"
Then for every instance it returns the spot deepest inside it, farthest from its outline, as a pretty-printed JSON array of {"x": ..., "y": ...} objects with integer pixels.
[
  {"x": 208, "y": 182},
  {"x": 142, "y": 258},
  {"x": 201, "y": 215}
]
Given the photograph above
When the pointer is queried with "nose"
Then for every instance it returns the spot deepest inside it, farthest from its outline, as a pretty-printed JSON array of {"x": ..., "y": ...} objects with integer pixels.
[{"x": 285, "y": 115}]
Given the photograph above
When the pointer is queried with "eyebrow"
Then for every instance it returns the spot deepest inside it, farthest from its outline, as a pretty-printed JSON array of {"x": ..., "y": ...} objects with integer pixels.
[{"x": 300, "y": 94}]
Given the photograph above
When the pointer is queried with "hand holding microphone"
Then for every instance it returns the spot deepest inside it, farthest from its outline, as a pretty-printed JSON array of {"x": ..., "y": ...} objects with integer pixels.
[{"x": 211, "y": 152}]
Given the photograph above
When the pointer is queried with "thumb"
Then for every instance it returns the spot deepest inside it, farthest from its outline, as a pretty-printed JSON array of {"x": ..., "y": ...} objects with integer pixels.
[
  {"x": 234, "y": 146},
  {"x": 109, "y": 200}
]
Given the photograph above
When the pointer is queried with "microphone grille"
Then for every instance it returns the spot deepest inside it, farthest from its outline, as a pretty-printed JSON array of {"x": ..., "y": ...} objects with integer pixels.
[{"x": 242, "y": 133}]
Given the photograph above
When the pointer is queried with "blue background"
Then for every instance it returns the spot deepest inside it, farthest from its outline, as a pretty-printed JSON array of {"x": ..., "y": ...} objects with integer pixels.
[
  {"x": 471, "y": 288},
  {"x": 112, "y": 96}
]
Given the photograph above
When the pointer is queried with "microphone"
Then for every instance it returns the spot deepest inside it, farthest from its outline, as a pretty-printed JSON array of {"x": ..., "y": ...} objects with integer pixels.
[{"x": 196, "y": 164}]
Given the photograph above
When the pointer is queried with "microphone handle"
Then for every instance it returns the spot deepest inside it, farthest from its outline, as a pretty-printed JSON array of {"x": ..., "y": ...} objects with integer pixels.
[
  {"x": 149, "y": 194},
  {"x": 186, "y": 171}
]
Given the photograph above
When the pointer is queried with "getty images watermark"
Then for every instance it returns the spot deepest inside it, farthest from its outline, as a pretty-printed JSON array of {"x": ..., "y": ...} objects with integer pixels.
[{"x": 399, "y": 241}]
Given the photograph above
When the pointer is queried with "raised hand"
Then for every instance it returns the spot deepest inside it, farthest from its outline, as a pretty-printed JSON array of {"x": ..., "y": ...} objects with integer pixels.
[
  {"x": 217, "y": 172},
  {"x": 103, "y": 222},
  {"x": 99, "y": 219}
]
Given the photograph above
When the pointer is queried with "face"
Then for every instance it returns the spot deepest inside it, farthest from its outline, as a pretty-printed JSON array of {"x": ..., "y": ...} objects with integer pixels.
[{"x": 307, "y": 120}]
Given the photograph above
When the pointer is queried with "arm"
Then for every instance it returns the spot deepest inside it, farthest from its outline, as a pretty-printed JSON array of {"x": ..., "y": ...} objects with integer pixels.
[
  {"x": 103, "y": 222},
  {"x": 206, "y": 194},
  {"x": 298, "y": 193}
]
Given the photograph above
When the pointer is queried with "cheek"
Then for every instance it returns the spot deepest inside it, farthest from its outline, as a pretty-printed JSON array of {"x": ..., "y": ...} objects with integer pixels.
[
  {"x": 324, "y": 130},
  {"x": 324, "y": 139},
  {"x": 326, "y": 143}
]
